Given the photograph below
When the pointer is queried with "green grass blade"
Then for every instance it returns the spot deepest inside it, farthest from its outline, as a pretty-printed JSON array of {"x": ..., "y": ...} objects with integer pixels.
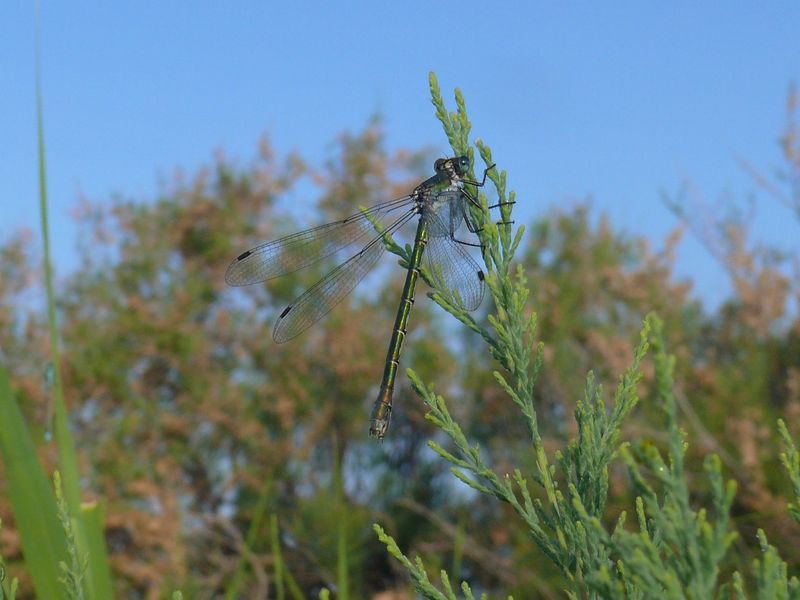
[
  {"x": 32, "y": 499},
  {"x": 66, "y": 446},
  {"x": 255, "y": 526},
  {"x": 283, "y": 577},
  {"x": 99, "y": 576},
  {"x": 294, "y": 588},
  {"x": 458, "y": 545},
  {"x": 342, "y": 562},
  {"x": 277, "y": 557},
  {"x": 342, "y": 568}
]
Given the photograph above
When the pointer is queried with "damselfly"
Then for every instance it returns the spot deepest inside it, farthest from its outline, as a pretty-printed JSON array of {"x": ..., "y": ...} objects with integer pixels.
[{"x": 440, "y": 201}]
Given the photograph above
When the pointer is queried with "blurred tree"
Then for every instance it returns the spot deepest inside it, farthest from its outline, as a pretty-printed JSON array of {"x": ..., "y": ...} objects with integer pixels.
[
  {"x": 165, "y": 363},
  {"x": 747, "y": 356},
  {"x": 187, "y": 413}
]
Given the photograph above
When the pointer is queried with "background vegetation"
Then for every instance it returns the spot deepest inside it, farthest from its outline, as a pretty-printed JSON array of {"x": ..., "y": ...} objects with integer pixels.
[{"x": 227, "y": 464}]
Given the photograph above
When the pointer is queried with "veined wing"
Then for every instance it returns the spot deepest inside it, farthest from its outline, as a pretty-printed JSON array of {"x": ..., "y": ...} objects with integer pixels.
[
  {"x": 460, "y": 274},
  {"x": 448, "y": 206},
  {"x": 320, "y": 298},
  {"x": 304, "y": 248}
]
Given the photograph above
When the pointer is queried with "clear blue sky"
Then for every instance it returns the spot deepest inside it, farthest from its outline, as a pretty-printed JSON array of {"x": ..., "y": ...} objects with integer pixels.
[{"x": 617, "y": 101}]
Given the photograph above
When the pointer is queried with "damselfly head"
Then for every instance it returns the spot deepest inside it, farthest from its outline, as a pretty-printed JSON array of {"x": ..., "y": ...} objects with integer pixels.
[{"x": 456, "y": 166}]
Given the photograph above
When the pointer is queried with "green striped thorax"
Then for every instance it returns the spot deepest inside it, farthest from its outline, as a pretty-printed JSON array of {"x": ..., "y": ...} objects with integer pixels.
[{"x": 448, "y": 171}]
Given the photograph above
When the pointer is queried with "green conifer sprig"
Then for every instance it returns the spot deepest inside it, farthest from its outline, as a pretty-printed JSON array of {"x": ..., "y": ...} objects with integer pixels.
[
  {"x": 790, "y": 458},
  {"x": 678, "y": 550}
]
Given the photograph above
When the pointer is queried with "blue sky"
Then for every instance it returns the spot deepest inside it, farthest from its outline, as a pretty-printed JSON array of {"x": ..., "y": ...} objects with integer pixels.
[{"x": 615, "y": 101}]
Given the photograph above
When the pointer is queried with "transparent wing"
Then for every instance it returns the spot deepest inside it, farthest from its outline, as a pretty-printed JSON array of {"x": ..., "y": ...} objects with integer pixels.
[
  {"x": 320, "y": 298},
  {"x": 304, "y": 248},
  {"x": 454, "y": 269},
  {"x": 448, "y": 206}
]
